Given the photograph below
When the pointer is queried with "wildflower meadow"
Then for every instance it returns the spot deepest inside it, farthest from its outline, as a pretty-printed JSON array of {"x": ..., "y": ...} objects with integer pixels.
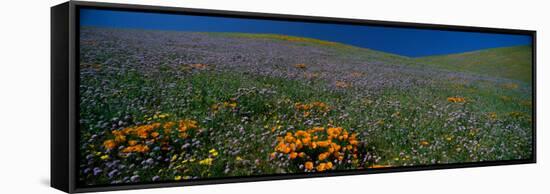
[{"x": 160, "y": 106}]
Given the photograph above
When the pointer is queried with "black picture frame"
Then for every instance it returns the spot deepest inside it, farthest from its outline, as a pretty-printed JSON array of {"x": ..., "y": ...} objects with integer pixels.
[{"x": 65, "y": 82}]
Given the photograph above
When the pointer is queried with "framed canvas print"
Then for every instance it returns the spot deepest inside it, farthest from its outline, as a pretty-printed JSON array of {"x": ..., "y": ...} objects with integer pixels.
[{"x": 146, "y": 96}]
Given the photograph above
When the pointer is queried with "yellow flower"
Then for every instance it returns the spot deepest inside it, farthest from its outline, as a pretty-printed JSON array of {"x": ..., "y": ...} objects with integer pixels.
[
  {"x": 309, "y": 165},
  {"x": 168, "y": 125},
  {"x": 162, "y": 116},
  {"x": 177, "y": 178},
  {"x": 289, "y": 138},
  {"x": 316, "y": 129},
  {"x": 299, "y": 144},
  {"x": 301, "y": 106},
  {"x": 186, "y": 124},
  {"x": 119, "y": 138},
  {"x": 132, "y": 142},
  {"x": 104, "y": 157},
  {"x": 349, "y": 147},
  {"x": 293, "y": 155},
  {"x": 238, "y": 158},
  {"x": 287, "y": 150},
  {"x": 424, "y": 143},
  {"x": 492, "y": 115},
  {"x": 323, "y": 156},
  {"x": 353, "y": 142},
  {"x": 334, "y": 131},
  {"x": 136, "y": 148},
  {"x": 292, "y": 147},
  {"x": 207, "y": 161},
  {"x": 379, "y": 166},
  {"x": 155, "y": 134},
  {"x": 213, "y": 152},
  {"x": 301, "y": 134},
  {"x": 329, "y": 165},
  {"x": 300, "y": 66},
  {"x": 323, "y": 144},
  {"x": 456, "y": 99},
  {"x": 313, "y": 145},
  {"x": 109, "y": 144},
  {"x": 321, "y": 167},
  {"x": 306, "y": 141}
]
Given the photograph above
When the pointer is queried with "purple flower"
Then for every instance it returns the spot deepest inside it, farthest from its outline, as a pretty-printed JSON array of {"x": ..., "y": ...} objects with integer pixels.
[{"x": 97, "y": 171}]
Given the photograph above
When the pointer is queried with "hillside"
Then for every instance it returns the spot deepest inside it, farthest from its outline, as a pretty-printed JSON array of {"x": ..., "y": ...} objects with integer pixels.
[
  {"x": 171, "y": 106},
  {"x": 507, "y": 62},
  {"x": 343, "y": 50}
]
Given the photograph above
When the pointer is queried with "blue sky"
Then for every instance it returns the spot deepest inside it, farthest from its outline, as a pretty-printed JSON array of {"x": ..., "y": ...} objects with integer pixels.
[{"x": 401, "y": 41}]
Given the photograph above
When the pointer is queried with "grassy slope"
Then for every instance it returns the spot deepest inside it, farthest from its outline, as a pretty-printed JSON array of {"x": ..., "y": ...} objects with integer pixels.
[
  {"x": 342, "y": 49},
  {"x": 508, "y": 62}
]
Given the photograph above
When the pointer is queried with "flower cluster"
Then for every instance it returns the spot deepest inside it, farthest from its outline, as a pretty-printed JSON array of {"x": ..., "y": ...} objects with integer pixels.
[
  {"x": 456, "y": 99},
  {"x": 308, "y": 108},
  {"x": 300, "y": 66},
  {"x": 316, "y": 148},
  {"x": 138, "y": 138},
  {"x": 208, "y": 161},
  {"x": 321, "y": 106},
  {"x": 218, "y": 106}
]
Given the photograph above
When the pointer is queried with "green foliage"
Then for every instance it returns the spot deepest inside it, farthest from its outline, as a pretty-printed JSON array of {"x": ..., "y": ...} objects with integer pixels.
[{"x": 507, "y": 62}]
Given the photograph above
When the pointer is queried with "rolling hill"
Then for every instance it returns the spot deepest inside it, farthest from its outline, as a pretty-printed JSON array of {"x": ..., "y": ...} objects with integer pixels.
[
  {"x": 504, "y": 62},
  {"x": 507, "y": 62},
  {"x": 341, "y": 49}
]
